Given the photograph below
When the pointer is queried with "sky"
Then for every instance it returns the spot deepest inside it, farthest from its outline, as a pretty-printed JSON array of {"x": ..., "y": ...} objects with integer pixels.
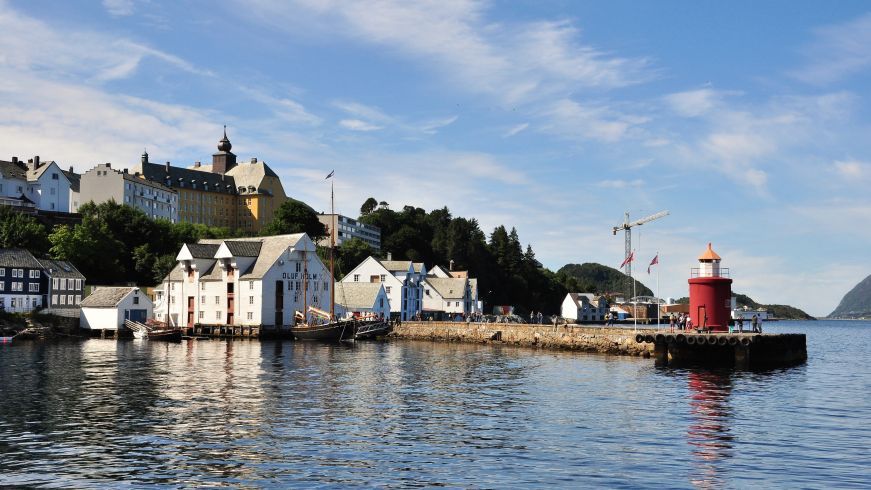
[{"x": 748, "y": 121}]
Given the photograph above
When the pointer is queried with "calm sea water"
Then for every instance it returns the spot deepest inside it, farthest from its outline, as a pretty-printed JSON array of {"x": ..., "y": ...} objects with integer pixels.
[{"x": 269, "y": 414}]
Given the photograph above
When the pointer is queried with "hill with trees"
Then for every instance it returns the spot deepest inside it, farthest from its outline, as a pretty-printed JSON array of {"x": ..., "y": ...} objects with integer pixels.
[
  {"x": 598, "y": 278},
  {"x": 856, "y": 303}
]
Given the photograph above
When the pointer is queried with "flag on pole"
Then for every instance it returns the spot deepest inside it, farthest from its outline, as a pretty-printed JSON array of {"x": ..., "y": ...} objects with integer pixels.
[
  {"x": 331, "y": 174},
  {"x": 628, "y": 259},
  {"x": 653, "y": 262}
]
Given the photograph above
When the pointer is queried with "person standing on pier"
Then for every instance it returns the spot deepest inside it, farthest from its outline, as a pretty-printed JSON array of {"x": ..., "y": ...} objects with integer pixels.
[
  {"x": 755, "y": 323},
  {"x": 671, "y": 322},
  {"x": 740, "y": 322}
]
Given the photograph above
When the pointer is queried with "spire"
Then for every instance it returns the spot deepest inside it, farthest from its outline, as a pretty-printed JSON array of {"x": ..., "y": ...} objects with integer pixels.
[
  {"x": 144, "y": 155},
  {"x": 709, "y": 255},
  {"x": 224, "y": 144}
]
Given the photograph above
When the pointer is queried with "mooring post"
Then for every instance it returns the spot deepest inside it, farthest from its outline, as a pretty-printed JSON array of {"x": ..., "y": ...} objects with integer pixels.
[
  {"x": 660, "y": 353},
  {"x": 742, "y": 356}
]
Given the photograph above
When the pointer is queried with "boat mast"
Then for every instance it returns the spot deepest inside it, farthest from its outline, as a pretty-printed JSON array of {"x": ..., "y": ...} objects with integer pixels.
[
  {"x": 304, "y": 288},
  {"x": 335, "y": 219}
]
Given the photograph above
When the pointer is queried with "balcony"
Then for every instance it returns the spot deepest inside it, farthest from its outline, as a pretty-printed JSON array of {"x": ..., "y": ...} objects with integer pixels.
[{"x": 697, "y": 272}]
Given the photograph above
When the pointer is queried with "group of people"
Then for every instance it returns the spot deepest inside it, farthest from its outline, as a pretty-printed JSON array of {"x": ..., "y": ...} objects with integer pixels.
[
  {"x": 755, "y": 324},
  {"x": 536, "y": 317},
  {"x": 680, "y": 321}
]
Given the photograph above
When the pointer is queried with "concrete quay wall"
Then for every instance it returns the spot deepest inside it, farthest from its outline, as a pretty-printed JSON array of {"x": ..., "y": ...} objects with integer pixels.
[{"x": 612, "y": 340}]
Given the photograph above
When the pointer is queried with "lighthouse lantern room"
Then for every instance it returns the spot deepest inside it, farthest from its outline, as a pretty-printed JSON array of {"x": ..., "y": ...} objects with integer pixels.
[{"x": 710, "y": 293}]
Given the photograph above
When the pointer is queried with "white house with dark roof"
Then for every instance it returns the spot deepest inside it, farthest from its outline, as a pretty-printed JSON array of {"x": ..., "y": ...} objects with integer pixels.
[
  {"x": 584, "y": 307},
  {"x": 255, "y": 281},
  {"x": 361, "y": 299},
  {"x": 447, "y": 297},
  {"x": 107, "y": 308},
  {"x": 402, "y": 280}
]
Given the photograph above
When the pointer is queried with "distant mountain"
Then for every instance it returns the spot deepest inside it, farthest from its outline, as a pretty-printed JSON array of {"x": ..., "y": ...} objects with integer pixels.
[
  {"x": 598, "y": 278},
  {"x": 856, "y": 303},
  {"x": 781, "y": 312}
]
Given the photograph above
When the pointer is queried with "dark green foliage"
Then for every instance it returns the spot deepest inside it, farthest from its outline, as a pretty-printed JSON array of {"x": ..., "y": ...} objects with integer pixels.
[
  {"x": 18, "y": 230},
  {"x": 349, "y": 255},
  {"x": 856, "y": 303},
  {"x": 368, "y": 206},
  {"x": 295, "y": 217},
  {"x": 118, "y": 244},
  {"x": 600, "y": 279}
]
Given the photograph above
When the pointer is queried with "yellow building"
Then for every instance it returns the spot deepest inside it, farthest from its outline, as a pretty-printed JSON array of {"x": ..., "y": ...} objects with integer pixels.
[{"x": 226, "y": 193}]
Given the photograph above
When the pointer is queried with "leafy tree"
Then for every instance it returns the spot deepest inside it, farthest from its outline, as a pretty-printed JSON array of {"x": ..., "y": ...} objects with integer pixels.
[
  {"x": 368, "y": 206},
  {"x": 18, "y": 230},
  {"x": 295, "y": 217},
  {"x": 350, "y": 254}
]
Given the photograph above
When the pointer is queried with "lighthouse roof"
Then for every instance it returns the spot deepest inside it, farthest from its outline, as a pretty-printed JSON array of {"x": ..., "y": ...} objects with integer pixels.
[{"x": 709, "y": 254}]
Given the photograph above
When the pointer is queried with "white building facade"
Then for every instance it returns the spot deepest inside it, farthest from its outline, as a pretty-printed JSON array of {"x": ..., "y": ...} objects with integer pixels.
[
  {"x": 361, "y": 300},
  {"x": 249, "y": 282},
  {"x": 584, "y": 307},
  {"x": 107, "y": 308},
  {"x": 448, "y": 297},
  {"x": 402, "y": 280}
]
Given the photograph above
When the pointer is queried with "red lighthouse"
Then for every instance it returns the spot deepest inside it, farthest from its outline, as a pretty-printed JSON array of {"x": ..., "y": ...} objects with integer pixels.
[{"x": 710, "y": 293}]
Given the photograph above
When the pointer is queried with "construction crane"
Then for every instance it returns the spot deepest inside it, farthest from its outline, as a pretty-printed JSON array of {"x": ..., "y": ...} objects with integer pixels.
[{"x": 627, "y": 226}]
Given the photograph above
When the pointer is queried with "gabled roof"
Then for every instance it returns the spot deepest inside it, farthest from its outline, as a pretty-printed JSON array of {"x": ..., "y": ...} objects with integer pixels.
[
  {"x": 60, "y": 268},
  {"x": 74, "y": 178},
  {"x": 212, "y": 273},
  {"x": 357, "y": 294},
  {"x": 18, "y": 257},
  {"x": 107, "y": 297},
  {"x": 175, "y": 275},
  {"x": 202, "y": 250},
  {"x": 451, "y": 288},
  {"x": 271, "y": 248},
  {"x": 244, "y": 248},
  {"x": 37, "y": 173},
  {"x": 400, "y": 265},
  {"x": 11, "y": 170}
]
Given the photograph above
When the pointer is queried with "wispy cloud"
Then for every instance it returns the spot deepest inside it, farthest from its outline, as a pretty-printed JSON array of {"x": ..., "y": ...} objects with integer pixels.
[
  {"x": 694, "y": 103},
  {"x": 621, "y": 184},
  {"x": 837, "y": 52},
  {"x": 515, "y": 130},
  {"x": 854, "y": 171},
  {"x": 118, "y": 8},
  {"x": 358, "y": 125}
]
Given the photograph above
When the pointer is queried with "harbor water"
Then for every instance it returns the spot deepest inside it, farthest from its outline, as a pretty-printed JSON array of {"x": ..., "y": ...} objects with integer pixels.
[{"x": 210, "y": 413}]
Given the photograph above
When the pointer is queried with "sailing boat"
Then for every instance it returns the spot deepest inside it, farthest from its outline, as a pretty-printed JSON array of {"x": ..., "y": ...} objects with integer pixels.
[{"x": 314, "y": 323}]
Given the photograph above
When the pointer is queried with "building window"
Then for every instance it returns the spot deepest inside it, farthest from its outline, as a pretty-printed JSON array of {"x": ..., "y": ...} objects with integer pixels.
[
  {"x": 34, "y": 274},
  {"x": 2, "y": 272},
  {"x": 250, "y": 300},
  {"x": 297, "y": 285},
  {"x": 172, "y": 286},
  {"x": 356, "y": 277},
  {"x": 383, "y": 277},
  {"x": 78, "y": 284},
  {"x": 18, "y": 286},
  {"x": 298, "y": 267},
  {"x": 78, "y": 299},
  {"x": 63, "y": 299},
  {"x": 53, "y": 299},
  {"x": 251, "y": 285},
  {"x": 136, "y": 300},
  {"x": 202, "y": 300},
  {"x": 250, "y": 315},
  {"x": 54, "y": 283},
  {"x": 217, "y": 315},
  {"x": 70, "y": 299},
  {"x": 290, "y": 285},
  {"x": 2, "y": 286},
  {"x": 387, "y": 289},
  {"x": 217, "y": 300},
  {"x": 34, "y": 287},
  {"x": 202, "y": 315}
]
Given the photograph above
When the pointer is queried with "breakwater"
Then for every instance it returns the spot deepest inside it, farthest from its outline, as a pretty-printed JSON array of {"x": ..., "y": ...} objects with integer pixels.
[{"x": 611, "y": 340}]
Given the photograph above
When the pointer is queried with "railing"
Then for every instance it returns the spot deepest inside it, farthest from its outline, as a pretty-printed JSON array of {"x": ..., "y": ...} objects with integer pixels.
[{"x": 723, "y": 272}]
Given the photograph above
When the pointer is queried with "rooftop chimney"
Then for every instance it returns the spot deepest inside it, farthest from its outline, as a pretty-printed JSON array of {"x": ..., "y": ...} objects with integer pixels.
[
  {"x": 36, "y": 161},
  {"x": 167, "y": 167},
  {"x": 389, "y": 255},
  {"x": 108, "y": 164},
  {"x": 14, "y": 159},
  {"x": 197, "y": 164},
  {"x": 125, "y": 170},
  {"x": 451, "y": 265},
  {"x": 71, "y": 169}
]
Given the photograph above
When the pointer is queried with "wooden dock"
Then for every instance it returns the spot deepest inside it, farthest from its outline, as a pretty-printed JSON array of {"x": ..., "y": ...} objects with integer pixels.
[{"x": 742, "y": 350}]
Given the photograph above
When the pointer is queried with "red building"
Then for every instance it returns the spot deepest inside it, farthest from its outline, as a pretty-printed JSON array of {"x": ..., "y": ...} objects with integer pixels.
[{"x": 710, "y": 293}]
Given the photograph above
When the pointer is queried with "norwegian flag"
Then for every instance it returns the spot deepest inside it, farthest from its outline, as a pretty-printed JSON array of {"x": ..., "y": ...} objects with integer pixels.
[
  {"x": 628, "y": 259},
  {"x": 653, "y": 262}
]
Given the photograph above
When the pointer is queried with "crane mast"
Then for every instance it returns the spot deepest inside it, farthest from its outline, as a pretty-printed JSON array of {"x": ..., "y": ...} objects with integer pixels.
[{"x": 627, "y": 228}]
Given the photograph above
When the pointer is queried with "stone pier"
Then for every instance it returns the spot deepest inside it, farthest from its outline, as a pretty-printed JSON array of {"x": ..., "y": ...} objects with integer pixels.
[{"x": 611, "y": 340}]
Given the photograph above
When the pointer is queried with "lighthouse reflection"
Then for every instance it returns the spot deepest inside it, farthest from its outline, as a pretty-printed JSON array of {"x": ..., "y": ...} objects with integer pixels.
[{"x": 709, "y": 432}]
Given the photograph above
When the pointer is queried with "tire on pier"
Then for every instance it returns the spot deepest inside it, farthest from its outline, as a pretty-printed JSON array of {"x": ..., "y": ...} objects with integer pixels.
[
  {"x": 648, "y": 338},
  {"x": 669, "y": 339},
  {"x": 659, "y": 338},
  {"x": 701, "y": 340},
  {"x": 722, "y": 340},
  {"x": 746, "y": 341},
  {"x": 639, "y": 338},
  {"x": 691, "y": 340},
  {"x": 680, "y": 338},
  {"x": 733, "y": 341}
]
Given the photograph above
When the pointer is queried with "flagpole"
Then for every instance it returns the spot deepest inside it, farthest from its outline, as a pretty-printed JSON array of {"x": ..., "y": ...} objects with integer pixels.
[
  {"x": 658, "y": 312},
  {"x": 634, "y": 302}
]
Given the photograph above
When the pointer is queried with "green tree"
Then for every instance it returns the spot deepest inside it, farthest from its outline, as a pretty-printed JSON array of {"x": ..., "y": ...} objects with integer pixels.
[
  {"x": 350, "y": 254},
  {"x": 295, "y": 217},
  {"x": 368, "y": 206},
  {"x": 18, "y": 230}
]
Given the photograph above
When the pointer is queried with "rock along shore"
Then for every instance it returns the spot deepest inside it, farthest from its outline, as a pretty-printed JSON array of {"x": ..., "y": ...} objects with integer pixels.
[{"x": 610, "y": 340}]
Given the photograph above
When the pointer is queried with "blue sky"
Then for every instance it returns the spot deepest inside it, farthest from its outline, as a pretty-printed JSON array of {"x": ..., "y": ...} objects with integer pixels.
[{"x": 748, "y": 121}]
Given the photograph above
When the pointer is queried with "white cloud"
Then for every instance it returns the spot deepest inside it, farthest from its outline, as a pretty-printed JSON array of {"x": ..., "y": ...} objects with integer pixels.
[
  {"x": 119, "y": 8},
  {"x": 432, "y": 126},
  {"x": 573, "y": 120},
  {"x": 621, "y": 184},
  {"x": 838, "y": 51},
  {"x": 853, "y": 170},
  {"x": 515, "y": 130},
  {"x": 358, "y": 125},
  {"x": 694, "y": 103}
]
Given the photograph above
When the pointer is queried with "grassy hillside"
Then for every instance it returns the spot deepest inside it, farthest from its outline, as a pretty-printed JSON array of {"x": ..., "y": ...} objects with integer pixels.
[{"x": 598, "y": 278}]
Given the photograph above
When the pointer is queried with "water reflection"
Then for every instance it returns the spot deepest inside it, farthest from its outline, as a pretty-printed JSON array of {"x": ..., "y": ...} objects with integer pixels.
[{"x": 709, "y": 433}]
